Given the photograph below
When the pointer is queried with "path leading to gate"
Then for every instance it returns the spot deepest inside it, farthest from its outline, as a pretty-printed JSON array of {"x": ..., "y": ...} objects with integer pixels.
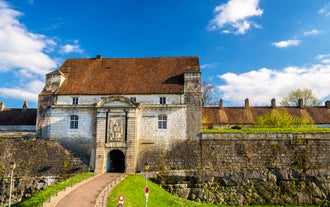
[{"x": 86, "y": 194}]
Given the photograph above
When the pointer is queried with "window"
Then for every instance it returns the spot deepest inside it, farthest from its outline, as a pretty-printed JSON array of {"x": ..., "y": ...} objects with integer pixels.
[
  {"x": 162, "y": 100},
  {"x": 74, "y": 122},
  {"x": 133, "y": 99},
  {"x": 75, "y": 100},
  {"x": 162, "y": 122}
]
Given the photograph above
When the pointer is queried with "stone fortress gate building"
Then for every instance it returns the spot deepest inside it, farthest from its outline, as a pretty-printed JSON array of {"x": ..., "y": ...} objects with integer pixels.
[{"x": 122, "y": 106}]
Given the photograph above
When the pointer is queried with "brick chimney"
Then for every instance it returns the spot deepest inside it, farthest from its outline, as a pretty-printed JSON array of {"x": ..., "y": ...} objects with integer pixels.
[
  {"x": 300, "y": 103},
  {"x": 25, "y": 106},
  {"x": 247, "y": 104},
  {"x": 98, "y": 57},
  {"x": 327, "y": 104},
  {"x": 273, "y": 103},
  {"x": 220, "y": 104},
  {"x": 2, "y": 106}
]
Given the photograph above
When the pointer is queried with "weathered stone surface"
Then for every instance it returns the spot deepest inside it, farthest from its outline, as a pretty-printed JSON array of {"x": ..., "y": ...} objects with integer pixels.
[
  {"x": 39, "y": 164},
  {"x": 246, "y": 169}
]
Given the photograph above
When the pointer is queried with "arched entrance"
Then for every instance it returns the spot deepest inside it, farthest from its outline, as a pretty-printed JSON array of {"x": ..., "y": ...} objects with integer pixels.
[{"x": 116, "y": 161}]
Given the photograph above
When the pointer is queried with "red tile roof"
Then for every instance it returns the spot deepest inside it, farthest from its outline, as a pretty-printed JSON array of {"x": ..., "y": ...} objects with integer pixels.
[
  {"x": 242, "y": 115},
  {"x": 105, "y": 76}
]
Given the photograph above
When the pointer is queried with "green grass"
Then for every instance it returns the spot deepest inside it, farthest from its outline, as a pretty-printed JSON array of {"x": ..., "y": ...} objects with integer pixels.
[
  {"x": 43, "y": 196},
  {"x": 269, "y": 130},
  {"x": 133, "y": 188}
]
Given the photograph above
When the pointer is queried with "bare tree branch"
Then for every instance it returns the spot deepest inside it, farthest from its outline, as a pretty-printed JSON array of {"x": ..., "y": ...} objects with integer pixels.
[{"x": 305, "y": 94}]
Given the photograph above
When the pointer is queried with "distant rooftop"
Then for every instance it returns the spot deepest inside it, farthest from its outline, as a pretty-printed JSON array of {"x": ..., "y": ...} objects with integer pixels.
[
  {"x": 15, "y": 116},
  {"x": 248, "y": 114}
]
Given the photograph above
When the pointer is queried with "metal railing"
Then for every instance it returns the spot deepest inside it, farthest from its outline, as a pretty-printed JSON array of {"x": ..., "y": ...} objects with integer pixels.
[{"x": 102, "y": 199}]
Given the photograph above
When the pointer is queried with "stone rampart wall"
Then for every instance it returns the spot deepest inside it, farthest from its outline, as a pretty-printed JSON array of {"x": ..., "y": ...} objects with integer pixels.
[
  {"x": 19, "y": 128},
  {"x": 265, "y": 151},
  {"x": 84, "y": 149},
  {"x": 244, "y": 169},
  {"x": 16, "y": 134}
]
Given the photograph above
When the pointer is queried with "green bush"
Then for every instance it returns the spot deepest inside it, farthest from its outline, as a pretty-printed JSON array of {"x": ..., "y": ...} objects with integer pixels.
[
  {"x": 236, "y": 127},
  {"x": 282, "y": 119}
]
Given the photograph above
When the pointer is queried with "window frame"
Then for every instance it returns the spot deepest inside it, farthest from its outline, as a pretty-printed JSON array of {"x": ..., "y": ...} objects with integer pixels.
[
  {"x": 133, "y": 99},
  {"x": 162, "y": 121},
  {"x": 75, "y": 100},
  {"x": 162, "y": 100},
  {"x": 74, "y": 121}
]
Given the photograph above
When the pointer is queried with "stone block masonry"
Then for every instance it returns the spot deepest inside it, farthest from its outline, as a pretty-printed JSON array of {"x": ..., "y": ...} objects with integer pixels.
[{"x": 246, "y": 169}]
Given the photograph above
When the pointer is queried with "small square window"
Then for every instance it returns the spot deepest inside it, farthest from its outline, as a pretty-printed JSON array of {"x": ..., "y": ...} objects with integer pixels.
[
  {"x": 133, "y": 99},
  {"x": 162, "y": 100},
  {"x": 75, "y": 100}
]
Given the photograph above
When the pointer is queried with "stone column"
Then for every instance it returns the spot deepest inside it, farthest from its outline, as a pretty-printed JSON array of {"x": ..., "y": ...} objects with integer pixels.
[
  {"x": 100, "y": 152},
  {"x": 131, "y": 151}
]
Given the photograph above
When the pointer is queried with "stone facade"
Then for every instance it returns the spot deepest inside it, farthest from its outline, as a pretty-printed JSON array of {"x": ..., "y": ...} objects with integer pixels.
[{"x": 120, "y": 126}]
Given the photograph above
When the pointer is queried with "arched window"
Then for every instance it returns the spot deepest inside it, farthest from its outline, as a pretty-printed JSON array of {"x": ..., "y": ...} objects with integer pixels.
[
  {"x": 74, "y": 122},
  {"x": 162, "y": 122}
]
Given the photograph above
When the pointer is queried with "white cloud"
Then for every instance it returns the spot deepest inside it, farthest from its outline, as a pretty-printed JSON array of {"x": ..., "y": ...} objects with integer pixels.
[
  {"x": 19, "y": 94},
  {"x": 26, "y": 90},
  {"x": 24, "y": 74},
  {"x": 208, "y": 65},
  {"x": 234, "y": 16},
  {"x": 35, "y": 86},
  {"x": 325, "y": 10},
  {"x": 286, "y": 43},
  {"x": 312, "y": 32},
  {"x": 324, "y": 58},
  {"x": 71, "y": 48},
  {"x": 20, "y": 48},
  {"x": 23, "y": 54},
  {"x": 262, "y": 85}
]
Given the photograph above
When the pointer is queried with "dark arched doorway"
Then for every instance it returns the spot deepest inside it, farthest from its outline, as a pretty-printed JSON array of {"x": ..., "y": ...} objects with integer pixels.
[{"x": 116, "y": 161}]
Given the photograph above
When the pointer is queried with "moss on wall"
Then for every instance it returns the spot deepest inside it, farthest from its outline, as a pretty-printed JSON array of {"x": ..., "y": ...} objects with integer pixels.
[{"x": 246, "y": 169}]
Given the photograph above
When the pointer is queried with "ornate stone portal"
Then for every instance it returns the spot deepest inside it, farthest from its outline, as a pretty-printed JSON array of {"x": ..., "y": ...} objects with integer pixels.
[
  {"x": 116, "y": 129},
  {"x": 115, "y": 135}
]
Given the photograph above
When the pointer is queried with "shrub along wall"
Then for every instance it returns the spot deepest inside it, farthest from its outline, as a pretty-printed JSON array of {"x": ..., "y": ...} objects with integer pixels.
[{"x": 242, "y": 169}]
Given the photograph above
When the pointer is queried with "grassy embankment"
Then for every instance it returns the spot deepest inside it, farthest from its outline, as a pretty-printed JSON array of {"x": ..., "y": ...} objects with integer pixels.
[
  {"x": 39, "y": 198},
  {"x": 133, "y": 189}
]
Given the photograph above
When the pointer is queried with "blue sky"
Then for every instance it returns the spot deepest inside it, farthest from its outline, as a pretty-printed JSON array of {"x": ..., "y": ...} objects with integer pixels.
[{"x": 256, "y": 49}]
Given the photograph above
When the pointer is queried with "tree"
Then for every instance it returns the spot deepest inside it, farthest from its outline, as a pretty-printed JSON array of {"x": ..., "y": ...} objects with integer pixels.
[
  {"x": 208, "y": 94},
  {"x": 305, "y": 94}
]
